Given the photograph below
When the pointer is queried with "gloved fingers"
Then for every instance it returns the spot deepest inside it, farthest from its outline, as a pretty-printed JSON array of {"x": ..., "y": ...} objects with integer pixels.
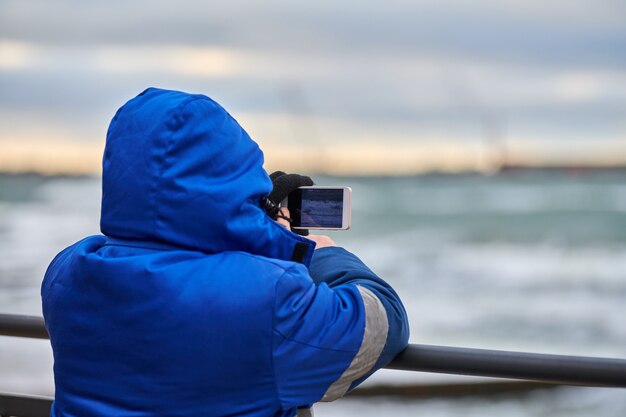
[
  {"x": 271, "y": 206},
  {"x": 286, "y": 184},
  {"x": 274, "y": 175}
]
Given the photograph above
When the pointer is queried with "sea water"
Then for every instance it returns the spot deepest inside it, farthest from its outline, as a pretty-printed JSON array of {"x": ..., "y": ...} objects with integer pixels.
[{"x": 531, "y": 261}]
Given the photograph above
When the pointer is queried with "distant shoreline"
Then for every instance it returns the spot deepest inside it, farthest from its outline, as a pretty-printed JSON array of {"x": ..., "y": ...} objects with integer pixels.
[
  {"x": 503, "y": 170},
  {"x": 40, "y": 175}
]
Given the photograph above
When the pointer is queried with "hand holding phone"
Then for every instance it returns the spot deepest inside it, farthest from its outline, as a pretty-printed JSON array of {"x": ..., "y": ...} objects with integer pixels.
[{"x": 320, "y": 208}]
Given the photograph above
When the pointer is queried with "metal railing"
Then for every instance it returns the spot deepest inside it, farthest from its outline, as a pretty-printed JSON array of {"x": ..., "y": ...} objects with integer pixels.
[
  {"x": 21, "y": 405},
  {"x": 552, "y": 369}
]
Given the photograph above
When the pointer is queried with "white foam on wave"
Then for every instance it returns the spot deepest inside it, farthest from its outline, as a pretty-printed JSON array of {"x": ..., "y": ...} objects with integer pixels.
[
  {"x": 540, "y": 297},
  {"x": 34, "y": 231},
  {"x": 560, "y": 402}
]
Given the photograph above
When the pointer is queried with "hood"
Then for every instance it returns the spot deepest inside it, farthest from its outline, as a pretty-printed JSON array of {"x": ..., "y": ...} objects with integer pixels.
[{"x": 180, "y": 171}]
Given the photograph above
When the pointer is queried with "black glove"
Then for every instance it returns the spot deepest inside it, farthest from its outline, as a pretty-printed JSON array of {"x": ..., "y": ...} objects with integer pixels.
[{"x": 285, "y": 184}]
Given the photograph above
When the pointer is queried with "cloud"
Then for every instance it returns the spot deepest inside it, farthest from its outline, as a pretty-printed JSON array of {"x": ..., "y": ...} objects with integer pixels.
[
  {"x": 402, "y": 71},
  {"x": 542, "y": 33},
  {"x": 83, "y": 86},
  {"x": 16, "y": 55}
]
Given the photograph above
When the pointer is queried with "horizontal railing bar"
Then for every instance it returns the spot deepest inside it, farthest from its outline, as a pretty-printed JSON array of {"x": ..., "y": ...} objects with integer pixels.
[
  {"x": 454, "y": 390},
  {"x": 555, "y": 369},
  {"x": 22, "y": 326},
  {"x": 21, "y": 405}
]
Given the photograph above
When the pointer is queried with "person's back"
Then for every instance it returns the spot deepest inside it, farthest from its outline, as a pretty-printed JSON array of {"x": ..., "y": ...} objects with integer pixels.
[{"x": 195, "y": 302}]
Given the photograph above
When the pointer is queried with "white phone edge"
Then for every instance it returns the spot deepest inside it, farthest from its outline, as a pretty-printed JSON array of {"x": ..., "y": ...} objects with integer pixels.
[{"x": 346, "y": 220}]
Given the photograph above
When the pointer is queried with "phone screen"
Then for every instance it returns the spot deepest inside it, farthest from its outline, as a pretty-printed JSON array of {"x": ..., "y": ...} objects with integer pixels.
[{"x": 316, "y": 207}]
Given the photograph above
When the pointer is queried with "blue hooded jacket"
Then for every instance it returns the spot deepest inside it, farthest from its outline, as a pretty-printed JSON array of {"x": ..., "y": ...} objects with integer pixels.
[{"x": 194, "y": 302}]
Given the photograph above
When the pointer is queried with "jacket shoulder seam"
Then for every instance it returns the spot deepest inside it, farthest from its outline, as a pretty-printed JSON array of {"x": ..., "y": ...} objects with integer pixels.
[{"x": 314, "y": 346}]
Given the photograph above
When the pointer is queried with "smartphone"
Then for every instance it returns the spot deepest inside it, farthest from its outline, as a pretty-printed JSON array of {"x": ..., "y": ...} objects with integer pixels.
[{"x": 320, "y": 208}]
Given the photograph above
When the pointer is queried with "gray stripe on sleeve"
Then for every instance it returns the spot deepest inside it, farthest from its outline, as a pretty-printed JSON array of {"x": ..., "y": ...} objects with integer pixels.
[{"x": 374, "y": 339}]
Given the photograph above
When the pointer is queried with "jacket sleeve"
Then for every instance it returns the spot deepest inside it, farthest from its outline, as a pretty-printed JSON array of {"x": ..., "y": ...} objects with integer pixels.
[{"x": 334, "y": 325}]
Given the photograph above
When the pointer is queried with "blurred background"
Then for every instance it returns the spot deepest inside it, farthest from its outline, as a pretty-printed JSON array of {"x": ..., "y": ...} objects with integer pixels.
[{"x": 494, "y": 132}]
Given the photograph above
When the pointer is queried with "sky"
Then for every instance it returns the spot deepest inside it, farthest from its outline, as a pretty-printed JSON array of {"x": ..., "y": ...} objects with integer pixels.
[{"x": 344, "y": 86}]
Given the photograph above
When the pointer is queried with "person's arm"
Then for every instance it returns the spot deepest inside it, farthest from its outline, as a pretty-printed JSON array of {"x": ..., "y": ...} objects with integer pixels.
[
  {"x": 335, "y": 266},
  {"x": 334, "y": 325}
]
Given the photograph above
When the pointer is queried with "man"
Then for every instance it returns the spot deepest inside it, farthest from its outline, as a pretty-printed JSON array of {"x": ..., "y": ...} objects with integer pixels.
[{"x": 195, "y": 302}]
